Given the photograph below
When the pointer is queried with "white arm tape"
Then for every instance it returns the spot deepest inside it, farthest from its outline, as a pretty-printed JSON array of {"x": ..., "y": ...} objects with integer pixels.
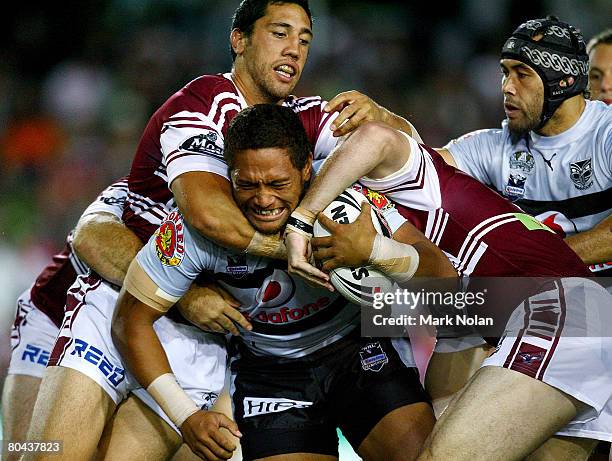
[
  {"x": 398, "y": 260},
  {"x": 172, "y": 398}
]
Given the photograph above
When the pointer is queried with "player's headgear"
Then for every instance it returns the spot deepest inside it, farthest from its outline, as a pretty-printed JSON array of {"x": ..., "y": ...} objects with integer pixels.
[{"x": 557, "y": 52}]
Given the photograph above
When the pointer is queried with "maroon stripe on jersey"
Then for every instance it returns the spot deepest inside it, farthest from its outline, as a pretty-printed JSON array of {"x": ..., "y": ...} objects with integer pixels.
[
  {"x": 191, "y": 125},
  {"x": 561, "y": 324},
  {"x": 216, "y": 118},
  {"x": 20, "y": 318},
  {"x": 73, "y": 307},
  {"x": 189, "y": 154},
  {"x": 467, "y": 259},
  {"x": 48, "y": 293},
  {"x": 519, "y": 337},
  {"x": 324, "y": 120},
  {"x": 59, "y": 348},
  {"x": 413, "y": 184},
  {"x": 189, "y": 119},
  {"x": 439, "y": 218},
  {"x": 154, "y": 208}
]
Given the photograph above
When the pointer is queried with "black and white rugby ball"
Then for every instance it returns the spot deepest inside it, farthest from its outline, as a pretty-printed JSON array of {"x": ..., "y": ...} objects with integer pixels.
[{"x": 356, "y": 284}]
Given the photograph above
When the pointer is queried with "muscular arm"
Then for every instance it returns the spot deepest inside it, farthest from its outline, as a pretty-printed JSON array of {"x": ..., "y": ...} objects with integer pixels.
[
  {"x": 144, "y": 356},
  {"x": 432, "y": 261},
  {"x": 134, "y": 336},
  {"x": 595, "y": 245},
  {"x": 106, "y": 245},
  {"x": 350, "y": 245},
  {"x": 205, "y": 200},
  {"x": 373, "y": 150}
]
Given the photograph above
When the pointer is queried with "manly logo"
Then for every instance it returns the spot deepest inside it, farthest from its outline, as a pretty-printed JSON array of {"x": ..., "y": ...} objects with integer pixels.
[
  {"x": 522, "y": 161},
  {"x": 204, "y": 143},
  {"x": 515, "y": 189},
  {"x": 529, "y": 358},
  {"x": 373, "y": 358},
  {"x": 237, "y": 266},
  {"x": 581, "y": 174}
]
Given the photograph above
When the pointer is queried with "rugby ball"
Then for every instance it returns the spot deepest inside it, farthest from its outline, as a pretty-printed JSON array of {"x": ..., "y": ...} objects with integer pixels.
[{"x": 357, "y": 284}]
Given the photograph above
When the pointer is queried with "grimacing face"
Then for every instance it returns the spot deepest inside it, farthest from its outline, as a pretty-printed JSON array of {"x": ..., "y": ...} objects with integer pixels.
[
  {"x": 523, "y": 91},
  {"x": 267, "y": 187},
  {"x": 276, "y": 51},
  {"x": 600, "y": 72}
]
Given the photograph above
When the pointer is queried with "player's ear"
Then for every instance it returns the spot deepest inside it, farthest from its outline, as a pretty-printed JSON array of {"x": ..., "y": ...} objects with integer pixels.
[
  {"x": 237, "y": 41},
  {"x": 307, "y": 170}
]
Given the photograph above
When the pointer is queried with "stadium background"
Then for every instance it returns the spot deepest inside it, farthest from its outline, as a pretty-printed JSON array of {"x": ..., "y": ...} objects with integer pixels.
[{"x": 78, "y": 81}]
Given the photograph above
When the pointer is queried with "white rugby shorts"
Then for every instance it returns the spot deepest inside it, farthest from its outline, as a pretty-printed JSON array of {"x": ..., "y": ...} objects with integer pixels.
[
  {"x": 198, "y": 359},
  {"x": 563, "y": 338},
  {"x": 32, "y": 337}
]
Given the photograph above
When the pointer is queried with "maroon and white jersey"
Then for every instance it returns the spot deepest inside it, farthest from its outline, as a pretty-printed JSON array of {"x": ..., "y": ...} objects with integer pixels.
[
  {"x": 482, "y": 233},
  {"x": 187, "y": 134},
  {"x": 48, "y": 293}
]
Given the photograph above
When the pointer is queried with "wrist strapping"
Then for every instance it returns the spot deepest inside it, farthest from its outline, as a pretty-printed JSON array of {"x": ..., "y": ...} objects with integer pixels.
[
  {"x": 301, "y": 221},
  {"x": 172, "y": 398},
  {"x": 398, "y": 260},
  {"x": 270, "y": 246}
]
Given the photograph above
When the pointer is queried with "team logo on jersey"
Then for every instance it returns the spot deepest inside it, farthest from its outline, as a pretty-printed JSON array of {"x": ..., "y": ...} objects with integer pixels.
[
  {"x": 373, "y": 357},
  {"x": 522, "y": 161},
  {"x": 515, "y": 189},
  {"x": 377, "y": 199},
  {"x": 581, "y": 174},
  {"x": 277, "y": 290},
  {"x": 203, "y": 143},
  {"x": 237, "y": 266},
  {"x": 170, "y": 240}
]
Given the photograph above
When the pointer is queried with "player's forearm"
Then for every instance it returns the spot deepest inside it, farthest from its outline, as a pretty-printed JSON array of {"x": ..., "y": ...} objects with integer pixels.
[
  {"x": 595, "y": 245},
  {"x": 205, "y": 200},
  {"x": 106, "y": 245},
  {"x": 136, "y": 340},
  {"x": 432, "y": 261},
  {"x": 400, "y": 123},
  {"x": 365, "y": 151}
]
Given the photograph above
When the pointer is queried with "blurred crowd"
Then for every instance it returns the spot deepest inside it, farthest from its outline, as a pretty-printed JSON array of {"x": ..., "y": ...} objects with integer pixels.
[{"x": 79, "y": 80}]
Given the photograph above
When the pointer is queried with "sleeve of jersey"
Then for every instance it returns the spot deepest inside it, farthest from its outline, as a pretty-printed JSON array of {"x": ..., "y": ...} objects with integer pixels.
[
  {"x": 325, "y": 142},
  {"x": 110, "y": 200},
  {"x": 473, "y": 152},
  {"x": 416, "y": 184},
  {"x": 190, "y": 141},
  {"x": 171, "y": 261}
]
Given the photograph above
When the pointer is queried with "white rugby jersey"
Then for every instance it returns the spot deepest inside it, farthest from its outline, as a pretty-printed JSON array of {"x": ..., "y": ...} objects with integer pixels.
[
  {"x": 290, "y": 318},
  {"x": 564, "y": 180}
]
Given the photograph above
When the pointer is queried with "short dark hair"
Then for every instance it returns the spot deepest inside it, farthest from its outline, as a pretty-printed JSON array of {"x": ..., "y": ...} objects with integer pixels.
[
  {"x": 602, "y": 37},
  {"x": 267, "y": 125},
  {"x": 250, "y": 11}
]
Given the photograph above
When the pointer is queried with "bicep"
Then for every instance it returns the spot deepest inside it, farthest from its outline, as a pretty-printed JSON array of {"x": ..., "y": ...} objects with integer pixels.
[{"x": 205, "y": 200}]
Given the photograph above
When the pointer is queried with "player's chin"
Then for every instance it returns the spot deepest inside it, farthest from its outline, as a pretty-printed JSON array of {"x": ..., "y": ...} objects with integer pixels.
[{"x": 268, "y": 227}]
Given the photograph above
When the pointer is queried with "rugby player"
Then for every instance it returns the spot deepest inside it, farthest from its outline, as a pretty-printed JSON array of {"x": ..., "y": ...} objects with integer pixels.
[
  {"x": 525, "y": 399},
  {"x": 599, "y": 49},
  {"x": 303, "y": 370},
  {"x": 181, "y": 153}
]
